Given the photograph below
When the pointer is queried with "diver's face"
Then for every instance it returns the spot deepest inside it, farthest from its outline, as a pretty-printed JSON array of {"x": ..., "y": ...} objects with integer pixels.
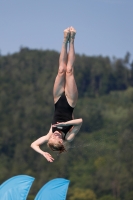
[{"x": 56, "y": 137}]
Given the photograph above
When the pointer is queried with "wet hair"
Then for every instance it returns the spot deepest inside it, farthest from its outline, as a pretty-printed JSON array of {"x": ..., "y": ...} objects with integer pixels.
[{"x": 56, "y": 147}]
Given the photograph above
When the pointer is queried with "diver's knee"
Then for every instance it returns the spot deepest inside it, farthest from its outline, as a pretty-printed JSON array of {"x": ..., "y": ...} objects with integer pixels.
[
  {"x": 69, "y": 70},
  {"x": 62, "y": 70}
]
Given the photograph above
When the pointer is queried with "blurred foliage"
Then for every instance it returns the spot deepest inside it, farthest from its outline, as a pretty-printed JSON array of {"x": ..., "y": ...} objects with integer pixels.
[
  {"x": 81, "y": 194},
  {"x": 107, "y": 197},
  {"x": 100, "y": 159}
]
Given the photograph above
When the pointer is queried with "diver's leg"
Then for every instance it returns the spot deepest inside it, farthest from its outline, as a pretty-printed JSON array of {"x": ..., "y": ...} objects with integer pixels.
[
  {"x": 60, "y": 78},
  {"x": 71, "y": 87}
]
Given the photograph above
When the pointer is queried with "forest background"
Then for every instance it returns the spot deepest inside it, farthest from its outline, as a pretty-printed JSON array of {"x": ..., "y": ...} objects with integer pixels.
[{"x": 99, "y": 162}]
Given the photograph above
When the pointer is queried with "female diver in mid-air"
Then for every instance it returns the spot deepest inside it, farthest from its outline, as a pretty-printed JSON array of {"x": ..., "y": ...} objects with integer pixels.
[{"x": 64, "y": 127}]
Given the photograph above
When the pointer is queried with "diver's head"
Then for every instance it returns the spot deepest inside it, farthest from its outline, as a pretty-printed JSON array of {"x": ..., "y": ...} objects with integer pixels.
[{"x": 56, "y": 142}]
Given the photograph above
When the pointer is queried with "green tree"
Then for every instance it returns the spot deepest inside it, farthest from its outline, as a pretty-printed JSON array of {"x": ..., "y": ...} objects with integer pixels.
[
  {"x": 82, "y": 194},
  {"x": 107, "y": 197}
]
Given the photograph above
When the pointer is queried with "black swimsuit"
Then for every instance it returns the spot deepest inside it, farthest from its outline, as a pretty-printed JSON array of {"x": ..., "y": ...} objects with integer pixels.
[{"x": 63, "y": 113}]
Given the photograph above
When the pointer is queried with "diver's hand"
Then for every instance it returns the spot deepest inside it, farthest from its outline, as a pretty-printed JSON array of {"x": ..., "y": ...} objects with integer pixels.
[
  {"x": 48, "y": 157},
  {"x": 59, "y": 125}
]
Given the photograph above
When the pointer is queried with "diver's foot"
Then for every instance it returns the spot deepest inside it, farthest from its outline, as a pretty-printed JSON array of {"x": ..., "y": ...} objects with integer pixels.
[
  {"x": 72, "y": 34},
  {"x": 66, "y": 35}
]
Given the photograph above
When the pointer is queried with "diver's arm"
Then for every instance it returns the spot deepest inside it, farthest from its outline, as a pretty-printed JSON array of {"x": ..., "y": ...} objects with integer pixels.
[
  {"x": 73, "y": 122},
  {"x": 36, "y": 145},
  {"x": 76, "y": 123},
  {"x": 74, "y": 130}
]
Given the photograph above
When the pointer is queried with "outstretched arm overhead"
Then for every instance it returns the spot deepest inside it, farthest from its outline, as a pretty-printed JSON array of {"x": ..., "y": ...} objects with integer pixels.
[{"x": 36, "y": 145}]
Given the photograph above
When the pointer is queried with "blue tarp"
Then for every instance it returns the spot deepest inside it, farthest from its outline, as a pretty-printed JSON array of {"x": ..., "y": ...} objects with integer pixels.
[
  {"x": 55, "y": 189},
  {"x": 16, "y": 188}
]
